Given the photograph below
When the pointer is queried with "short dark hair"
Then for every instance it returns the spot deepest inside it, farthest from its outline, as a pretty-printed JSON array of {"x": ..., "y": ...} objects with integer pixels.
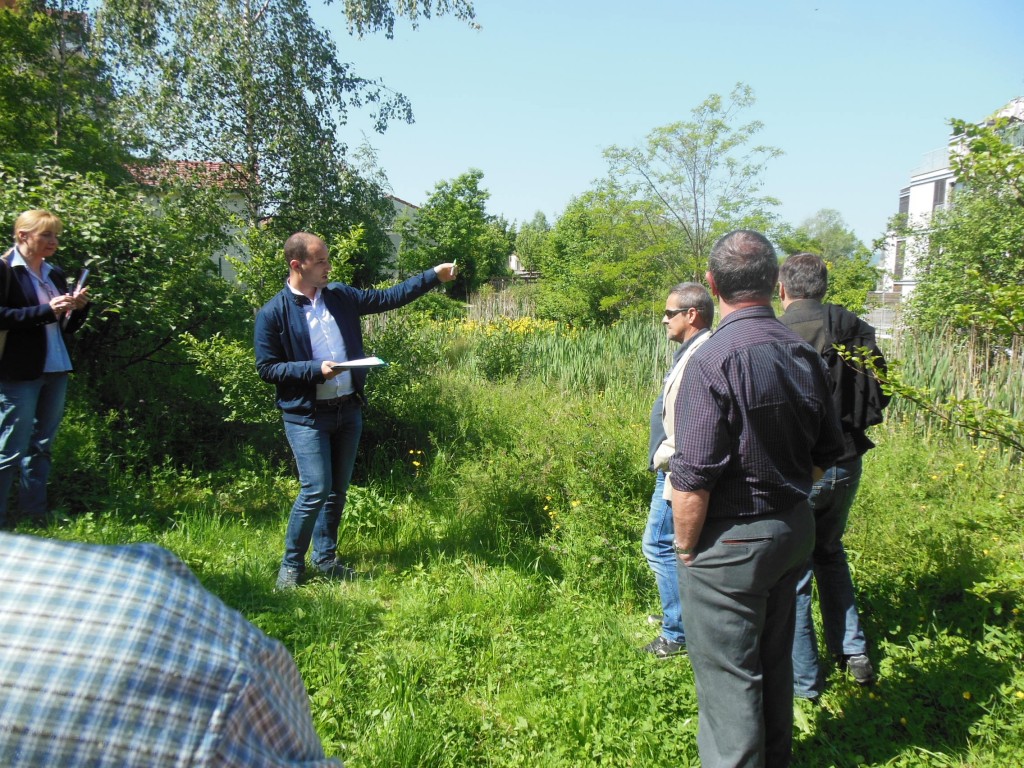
[
  {"x": 804, "y": 276},
  {"x": 695, "y": 295},
  {"x": 297, "y": 246},
  {"x": 744, "y": 266}
]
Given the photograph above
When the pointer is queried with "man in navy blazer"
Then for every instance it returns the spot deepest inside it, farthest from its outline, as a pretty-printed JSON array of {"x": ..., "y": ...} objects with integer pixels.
[{"x": 302, "y": 335}]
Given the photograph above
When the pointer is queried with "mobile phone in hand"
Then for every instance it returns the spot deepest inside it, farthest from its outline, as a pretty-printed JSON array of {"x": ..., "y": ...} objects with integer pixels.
[{"x": 80, "y": 283}]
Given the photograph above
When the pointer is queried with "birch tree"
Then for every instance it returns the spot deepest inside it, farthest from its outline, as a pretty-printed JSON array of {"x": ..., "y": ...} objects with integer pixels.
[
  {"x": 258, "y": 86},
  {"x": 703, "y": 175}
]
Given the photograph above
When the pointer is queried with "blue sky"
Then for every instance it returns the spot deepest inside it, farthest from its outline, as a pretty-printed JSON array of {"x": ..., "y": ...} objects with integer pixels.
[{"x": 854, "y": 93}]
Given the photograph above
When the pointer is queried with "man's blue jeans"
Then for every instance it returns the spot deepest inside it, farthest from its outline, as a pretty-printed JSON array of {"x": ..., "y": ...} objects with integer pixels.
[
  {"x": 657, "y": 548},
  {"x": 325, "y": 455},
  {"x": 30, "y": 413},
  {"x": 831, "y": 499}
]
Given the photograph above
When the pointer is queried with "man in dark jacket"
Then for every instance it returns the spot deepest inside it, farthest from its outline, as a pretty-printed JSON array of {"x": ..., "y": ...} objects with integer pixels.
[
  {"x": 303, "y": 336},
  {"x": 803, "y": 281}
]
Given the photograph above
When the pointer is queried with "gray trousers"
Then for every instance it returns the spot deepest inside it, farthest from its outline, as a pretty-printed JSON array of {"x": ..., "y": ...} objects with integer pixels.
[{"x": 738, "y": 597}]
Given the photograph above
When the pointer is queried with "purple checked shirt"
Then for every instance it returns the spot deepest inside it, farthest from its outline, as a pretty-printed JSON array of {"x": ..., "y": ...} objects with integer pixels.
[{"x": 755, "y": 416}]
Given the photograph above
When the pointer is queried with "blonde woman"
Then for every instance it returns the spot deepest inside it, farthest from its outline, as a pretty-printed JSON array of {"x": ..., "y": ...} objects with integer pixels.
[{"x": 36, "y": 309}]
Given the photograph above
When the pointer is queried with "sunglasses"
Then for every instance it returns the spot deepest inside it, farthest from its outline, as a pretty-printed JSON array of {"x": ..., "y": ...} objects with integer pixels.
[{"x": 670, "y": 313}]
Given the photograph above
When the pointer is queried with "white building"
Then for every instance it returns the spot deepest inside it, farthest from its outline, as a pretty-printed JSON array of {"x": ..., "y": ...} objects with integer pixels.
[
  {"x": 930, "y": 186},
  {"x": 403, "y": 209},
  {"x": 928, "y": 191},
  {"x": 202, "y": 174}
]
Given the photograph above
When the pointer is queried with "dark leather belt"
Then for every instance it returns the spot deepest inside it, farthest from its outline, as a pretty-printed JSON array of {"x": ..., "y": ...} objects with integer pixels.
[{"x": 336, "y": 402}]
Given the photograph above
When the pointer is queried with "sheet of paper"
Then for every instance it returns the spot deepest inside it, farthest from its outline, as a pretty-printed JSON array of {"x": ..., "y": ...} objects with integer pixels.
[{"x": 363, "y": 362}]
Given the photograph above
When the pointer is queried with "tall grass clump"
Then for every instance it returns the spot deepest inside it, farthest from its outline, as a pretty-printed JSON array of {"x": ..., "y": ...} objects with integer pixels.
[
  {"x": 628, "y": 356},
  {"x": 958, "y": 366}
]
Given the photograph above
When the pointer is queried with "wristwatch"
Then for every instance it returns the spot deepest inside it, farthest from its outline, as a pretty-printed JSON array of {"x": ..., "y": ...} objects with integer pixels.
[{"x": 680, "y": 551}]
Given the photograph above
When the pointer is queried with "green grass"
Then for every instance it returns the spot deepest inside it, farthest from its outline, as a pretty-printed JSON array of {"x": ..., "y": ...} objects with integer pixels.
[{"x": 500, "y": 522}]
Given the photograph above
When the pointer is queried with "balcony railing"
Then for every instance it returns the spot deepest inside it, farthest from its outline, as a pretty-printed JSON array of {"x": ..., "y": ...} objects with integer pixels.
[{"x": 933, "y": 161}]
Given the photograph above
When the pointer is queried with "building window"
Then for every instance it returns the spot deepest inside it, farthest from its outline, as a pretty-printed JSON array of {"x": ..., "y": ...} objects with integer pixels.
[
  {"x": 939, "y": 196},
  {"x": 905, "y": 203}
]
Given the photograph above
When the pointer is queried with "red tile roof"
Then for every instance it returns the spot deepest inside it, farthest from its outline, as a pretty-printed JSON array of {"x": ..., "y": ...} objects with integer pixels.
[{"x": 202, "y": 172}]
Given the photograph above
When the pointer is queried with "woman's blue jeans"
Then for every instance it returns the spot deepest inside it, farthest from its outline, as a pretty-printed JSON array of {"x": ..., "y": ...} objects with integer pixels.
[
  {"x": 325, "y": 455},
  {"x": 657, "y": 548},
  {"x": 830, "y": 499},
  {"x": 30, "y": 413}
]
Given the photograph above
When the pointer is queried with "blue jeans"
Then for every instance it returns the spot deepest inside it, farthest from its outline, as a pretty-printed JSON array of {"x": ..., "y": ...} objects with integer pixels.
[
  {"x": 657, "y": 548},
  {"x": 831, "y": 499},
  {"x": 325, "y": 455},
  {"x": 30, "y": 413}
]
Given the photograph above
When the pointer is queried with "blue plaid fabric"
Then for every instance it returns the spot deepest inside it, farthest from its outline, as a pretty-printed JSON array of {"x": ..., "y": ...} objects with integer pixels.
[{"x": 117, "y": 656}]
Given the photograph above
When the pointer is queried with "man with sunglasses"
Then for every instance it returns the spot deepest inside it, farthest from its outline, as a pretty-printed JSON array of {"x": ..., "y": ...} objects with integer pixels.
[{"x": 689, "y": 312}]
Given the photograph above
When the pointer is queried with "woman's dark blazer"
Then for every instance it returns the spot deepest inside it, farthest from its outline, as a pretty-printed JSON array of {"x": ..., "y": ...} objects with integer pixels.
[{"x": 25, "y": 320}]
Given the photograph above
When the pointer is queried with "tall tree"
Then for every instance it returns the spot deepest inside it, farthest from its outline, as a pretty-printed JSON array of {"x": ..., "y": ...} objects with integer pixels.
[
  {"x": 973, "y": 272},
  {"x": 702, "y": 175},
  {"x": 380, "y": 15},
  {"x": 533, "y": 242},
  {"x": 606, "y": 258},
  {"x": 55, "y": 94},
  {"x": 567, "y": 290},
  {"x": 257, "y": 85},
  {"x": 251, "y": 83},
  {"x": 453, "y": 225},
  {"x": 993, "y": 160}
]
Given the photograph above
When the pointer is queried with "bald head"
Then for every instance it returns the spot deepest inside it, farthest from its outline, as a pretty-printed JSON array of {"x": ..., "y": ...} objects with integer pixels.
[{"x": 300, "y": 246}]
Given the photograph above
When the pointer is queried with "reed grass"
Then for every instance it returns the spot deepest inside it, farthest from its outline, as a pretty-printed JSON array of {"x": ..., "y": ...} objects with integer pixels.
[{"x": 957, "y": 366}]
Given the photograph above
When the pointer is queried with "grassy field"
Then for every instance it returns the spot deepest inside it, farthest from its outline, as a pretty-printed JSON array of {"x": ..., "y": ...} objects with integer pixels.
[{"x": 497, "y": 510}]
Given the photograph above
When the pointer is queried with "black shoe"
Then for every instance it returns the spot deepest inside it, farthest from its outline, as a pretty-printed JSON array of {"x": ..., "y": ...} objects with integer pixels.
[
  {"x": 860, "y": 669},
  {"x": 338, "y": 571},
  {"x": 662, "y": 648}
]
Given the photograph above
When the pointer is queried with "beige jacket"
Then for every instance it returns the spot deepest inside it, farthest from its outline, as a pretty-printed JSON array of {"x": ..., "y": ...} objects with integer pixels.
[{"x": 668, "y": 409}]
